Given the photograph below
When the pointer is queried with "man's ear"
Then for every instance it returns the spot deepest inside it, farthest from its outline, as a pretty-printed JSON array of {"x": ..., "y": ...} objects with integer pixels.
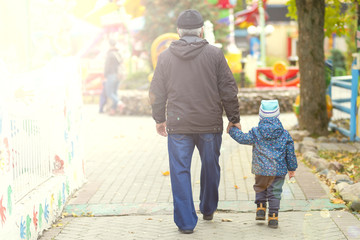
[
  {"x": 202, "y": 32},
  {"x": 177, "y": 30}
]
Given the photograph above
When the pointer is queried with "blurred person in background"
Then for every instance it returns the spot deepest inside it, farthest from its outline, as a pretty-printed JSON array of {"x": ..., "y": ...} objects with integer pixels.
[{"x": 113, "y": 73}]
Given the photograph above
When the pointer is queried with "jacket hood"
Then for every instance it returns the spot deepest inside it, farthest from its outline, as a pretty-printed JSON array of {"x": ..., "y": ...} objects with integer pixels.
[
  {"x": 187, "y": 50},
  {"x": 270, "y": 128}
]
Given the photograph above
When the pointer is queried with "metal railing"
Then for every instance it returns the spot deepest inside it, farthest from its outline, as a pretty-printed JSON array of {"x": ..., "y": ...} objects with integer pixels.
[
  {"x": 37, "y": 128},
  {"x": 31, "y": 151},
  {"x": 344, "y": 92}
]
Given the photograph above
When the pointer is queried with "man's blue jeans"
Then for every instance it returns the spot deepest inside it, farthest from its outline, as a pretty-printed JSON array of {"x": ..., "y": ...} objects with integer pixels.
[{"x": 181, "y": 148}]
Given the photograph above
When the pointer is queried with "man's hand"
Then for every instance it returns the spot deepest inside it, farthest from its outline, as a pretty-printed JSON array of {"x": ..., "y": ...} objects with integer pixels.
[
  {"x": 238, "y": 125},
  {"x": 161, "y": 129},
  {"x": 291, "y": 174}
]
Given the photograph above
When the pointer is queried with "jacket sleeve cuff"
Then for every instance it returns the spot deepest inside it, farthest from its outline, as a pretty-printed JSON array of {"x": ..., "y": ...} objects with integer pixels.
[
  {"x": 160, "y": 121},
  {"x": 234, "y": 119}
]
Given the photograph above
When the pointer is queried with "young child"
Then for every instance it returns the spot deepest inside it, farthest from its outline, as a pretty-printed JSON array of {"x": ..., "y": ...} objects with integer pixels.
[{"x": 273, "y": 157}]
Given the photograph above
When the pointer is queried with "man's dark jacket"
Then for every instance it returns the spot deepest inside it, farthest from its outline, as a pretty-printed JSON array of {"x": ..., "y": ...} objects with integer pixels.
[{"x": 192, "y": 83}]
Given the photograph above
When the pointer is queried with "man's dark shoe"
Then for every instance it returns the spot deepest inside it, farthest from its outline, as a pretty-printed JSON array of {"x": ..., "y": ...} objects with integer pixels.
[
  {"x": 208, "y": 217},
  {"x": 186, "y": 231},
  {"x": 273, "y": 220},
  {"x": 261, "y": 212}
]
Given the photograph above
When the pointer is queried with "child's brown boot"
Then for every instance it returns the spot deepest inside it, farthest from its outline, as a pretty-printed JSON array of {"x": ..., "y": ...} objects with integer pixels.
[
  {"x": 261, "y": 211},
  {"x": 273, "y": 220}
]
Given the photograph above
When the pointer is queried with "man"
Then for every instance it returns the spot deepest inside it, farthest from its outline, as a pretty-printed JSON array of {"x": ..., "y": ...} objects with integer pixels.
[
  {"x": 192, "y": 83},
  {"x": 112, "y": 71}
]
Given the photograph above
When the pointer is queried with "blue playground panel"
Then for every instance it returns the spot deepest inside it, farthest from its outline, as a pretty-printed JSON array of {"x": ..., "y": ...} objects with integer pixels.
[{"x": 350, "y": 83}]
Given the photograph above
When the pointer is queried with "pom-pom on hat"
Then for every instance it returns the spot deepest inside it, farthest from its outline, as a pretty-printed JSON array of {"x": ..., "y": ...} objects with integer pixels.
[
  {"x": 269, "y": 108},
  {"x": 190, "y": 19}
]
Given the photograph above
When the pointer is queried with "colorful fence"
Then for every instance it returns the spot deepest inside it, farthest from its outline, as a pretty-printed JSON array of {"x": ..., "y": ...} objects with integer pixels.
[{"x": 41, "y": 161}]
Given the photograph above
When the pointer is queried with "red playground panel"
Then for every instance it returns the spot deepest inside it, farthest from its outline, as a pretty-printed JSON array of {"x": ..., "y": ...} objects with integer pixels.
[{"x": 266, "y": 78}]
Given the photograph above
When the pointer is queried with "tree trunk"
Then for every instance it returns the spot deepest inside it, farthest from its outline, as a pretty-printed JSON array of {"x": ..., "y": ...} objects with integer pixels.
[{"x": 313, "y": 114}]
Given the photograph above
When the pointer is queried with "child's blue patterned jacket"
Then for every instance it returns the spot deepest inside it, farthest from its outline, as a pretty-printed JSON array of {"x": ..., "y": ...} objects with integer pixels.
[{"x": 273, "y": 147}]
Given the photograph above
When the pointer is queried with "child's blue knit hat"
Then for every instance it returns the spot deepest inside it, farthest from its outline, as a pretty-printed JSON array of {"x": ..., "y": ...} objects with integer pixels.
[{"x": 269, "y": 108}]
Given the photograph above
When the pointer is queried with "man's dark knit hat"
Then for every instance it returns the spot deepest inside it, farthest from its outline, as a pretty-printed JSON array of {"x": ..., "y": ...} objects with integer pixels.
[{"x": 190, "y": 19}]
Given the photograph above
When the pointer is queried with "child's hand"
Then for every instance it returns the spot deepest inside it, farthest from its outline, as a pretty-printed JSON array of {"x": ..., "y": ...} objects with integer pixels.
[
  {"x": 291, "y": 174},
  {"x": 237, "y": 125}
]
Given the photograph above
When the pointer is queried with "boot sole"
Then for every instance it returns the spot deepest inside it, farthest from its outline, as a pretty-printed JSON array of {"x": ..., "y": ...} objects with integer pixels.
[{"x": 208, "y": 217}]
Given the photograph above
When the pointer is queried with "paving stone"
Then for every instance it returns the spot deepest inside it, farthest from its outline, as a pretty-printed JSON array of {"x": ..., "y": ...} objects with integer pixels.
[
  {"x": 292, "y": 225},
  {"x": 328, "y": 146},
  {"x": 125, "y": 162},
  {"x": 357, "y": 145},
  {"x": 347, "y": 147}
]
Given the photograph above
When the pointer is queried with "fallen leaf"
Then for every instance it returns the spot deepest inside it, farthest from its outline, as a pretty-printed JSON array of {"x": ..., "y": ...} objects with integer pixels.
[
  {"x": 245, "y": 177},
  {"x": 149, "y": 218},
  {"x": 236, "y": 187},
  {"x": 167, "y": 173},
  {"x": 89, "y": 214},
  {"x": 337, "y": 201},
  {"x": 350, "y": 168},
  {"x": 308, "y": 214},
  {"x": 226, "y": 220}
]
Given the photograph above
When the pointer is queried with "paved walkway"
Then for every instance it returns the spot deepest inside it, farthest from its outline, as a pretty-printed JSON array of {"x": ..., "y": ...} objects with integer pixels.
[{"x": 126, "y": 196}]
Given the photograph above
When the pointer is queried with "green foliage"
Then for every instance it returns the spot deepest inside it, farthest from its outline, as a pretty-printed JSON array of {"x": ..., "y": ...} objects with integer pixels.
[
  {"x": 271, "y": 60},
  {"x": 329, "y": 72},
  {"x": 237, "y": 78},
  {"x": 292, "y": 12},
  {"x": 338, "y": 62},
  {"x": 136, "y": 80},
  {"x": 161, "y": 15},
  {"x": 351, "y": 15},
  {"x": 247, "y": 82},
  {"x": 240, "y": 6},
  {"x": 344, "y": 24},
  {"x": 335, "y": 21}
]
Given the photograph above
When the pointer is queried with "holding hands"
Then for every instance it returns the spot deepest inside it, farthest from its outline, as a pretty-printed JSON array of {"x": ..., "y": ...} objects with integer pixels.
[{"x": 237, "y": 125}]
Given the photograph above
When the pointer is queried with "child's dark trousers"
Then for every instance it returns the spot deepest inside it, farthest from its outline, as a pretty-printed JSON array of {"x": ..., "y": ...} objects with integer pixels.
[{"x": 268, "y": 190}]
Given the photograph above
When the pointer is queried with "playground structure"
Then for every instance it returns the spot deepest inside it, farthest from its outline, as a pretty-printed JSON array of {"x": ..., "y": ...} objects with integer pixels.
[
  {"x": 348, "y": 105},
  {"x": 279, "y": 75},
  {"x": 116, "y": 20},
  {"x": 160, "y": 44}
]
